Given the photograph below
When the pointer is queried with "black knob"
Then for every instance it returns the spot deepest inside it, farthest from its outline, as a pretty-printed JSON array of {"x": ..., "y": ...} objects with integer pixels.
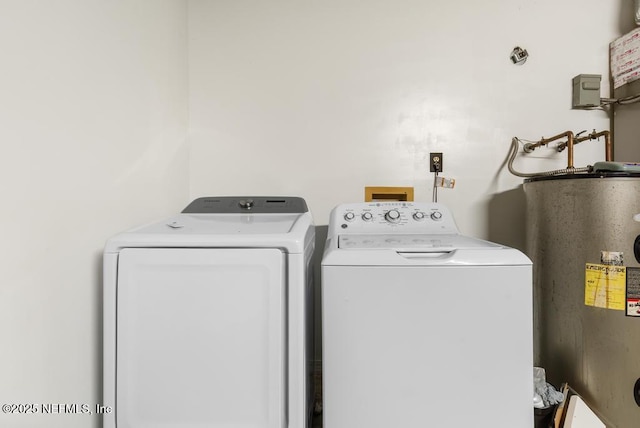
[
  {"x": 246, "y": 204},
  {"x": 636, "y": 248}
]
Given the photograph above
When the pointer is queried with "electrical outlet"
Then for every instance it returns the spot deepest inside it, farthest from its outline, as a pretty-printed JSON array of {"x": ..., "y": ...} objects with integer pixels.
[{"x": 435, "y": 162}]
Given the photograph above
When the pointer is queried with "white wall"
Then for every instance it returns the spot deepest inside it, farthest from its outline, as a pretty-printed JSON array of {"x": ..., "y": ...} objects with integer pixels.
[
  {"x": 319, "y": 99},
  {"x": 93, "y": 119},
  {"x": 316, "y": 99}
]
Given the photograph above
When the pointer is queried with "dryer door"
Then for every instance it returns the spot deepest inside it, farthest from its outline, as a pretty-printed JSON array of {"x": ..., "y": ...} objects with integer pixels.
[{"x": 200, "y": 338}]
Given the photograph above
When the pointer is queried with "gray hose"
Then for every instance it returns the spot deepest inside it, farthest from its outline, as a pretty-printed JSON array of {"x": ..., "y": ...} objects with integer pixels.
[{"x": 514, "y": 151}]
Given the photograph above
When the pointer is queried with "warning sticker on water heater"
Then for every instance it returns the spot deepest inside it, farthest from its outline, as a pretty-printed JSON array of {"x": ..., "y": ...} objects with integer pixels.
[
  {"x": 604, "y": 286},
  {"x": 633, "y": 292}
]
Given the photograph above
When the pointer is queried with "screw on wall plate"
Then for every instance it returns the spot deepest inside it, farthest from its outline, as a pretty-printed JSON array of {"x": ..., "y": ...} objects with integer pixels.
[{"x": 519, "y": 56}]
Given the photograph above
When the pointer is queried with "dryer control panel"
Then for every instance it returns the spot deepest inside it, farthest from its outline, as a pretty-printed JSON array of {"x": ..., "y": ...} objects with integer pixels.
[
  {"x": 247, "y": 205},
  {"x": 391, "y": 217}
]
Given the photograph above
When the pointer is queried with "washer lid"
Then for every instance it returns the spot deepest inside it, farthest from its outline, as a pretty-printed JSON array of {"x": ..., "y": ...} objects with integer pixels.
[
  {"x": 418, "y": 250},
  {"x": 414, "y": 242}
]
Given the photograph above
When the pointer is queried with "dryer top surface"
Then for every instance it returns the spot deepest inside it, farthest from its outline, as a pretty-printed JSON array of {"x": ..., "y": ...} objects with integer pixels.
[{"x": 291, "y": 232}]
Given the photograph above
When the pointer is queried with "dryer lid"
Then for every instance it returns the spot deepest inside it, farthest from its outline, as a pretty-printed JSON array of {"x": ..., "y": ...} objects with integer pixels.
[
  {"x": 291, "y": 232},
  {"x": 225, "y": 224}
]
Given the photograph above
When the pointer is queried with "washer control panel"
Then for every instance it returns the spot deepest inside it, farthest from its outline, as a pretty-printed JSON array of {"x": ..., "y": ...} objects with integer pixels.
[{"x": 391, "y": 217}]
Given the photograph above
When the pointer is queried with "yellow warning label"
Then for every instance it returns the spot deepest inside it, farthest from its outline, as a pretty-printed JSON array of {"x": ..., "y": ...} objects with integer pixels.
[{"x": 604, "y": 286}]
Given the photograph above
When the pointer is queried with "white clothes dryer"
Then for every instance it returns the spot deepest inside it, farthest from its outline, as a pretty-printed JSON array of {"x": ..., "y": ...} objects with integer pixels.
[
  {"x": 208, "y": 317},
  {"x": 423, "y": 327}
]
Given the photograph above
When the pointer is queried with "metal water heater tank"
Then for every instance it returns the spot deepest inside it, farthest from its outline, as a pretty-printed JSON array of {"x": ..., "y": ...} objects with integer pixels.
[{"x": 586, "y": 316}]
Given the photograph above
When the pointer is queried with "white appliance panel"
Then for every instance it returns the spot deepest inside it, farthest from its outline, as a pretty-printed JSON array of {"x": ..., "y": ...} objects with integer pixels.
[
  {"x": 225, "y": 224},
  {"x": 427, "y": 346},
  {"x": 202, "y": 318},
  {"x": 412, "y": 242}
]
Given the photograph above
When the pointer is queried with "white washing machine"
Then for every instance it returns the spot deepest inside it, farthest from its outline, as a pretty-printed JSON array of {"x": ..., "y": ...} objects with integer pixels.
[
  {"x": 208, "y": 317},
  {"x": 423, "y": 327}
]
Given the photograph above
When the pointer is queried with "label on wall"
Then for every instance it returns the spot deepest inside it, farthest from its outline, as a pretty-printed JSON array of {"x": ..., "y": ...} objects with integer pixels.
[
  {"x": 605, "y": 286},
  {"x": 624, "y": 58},
  {"x": 633, "y": 292}
]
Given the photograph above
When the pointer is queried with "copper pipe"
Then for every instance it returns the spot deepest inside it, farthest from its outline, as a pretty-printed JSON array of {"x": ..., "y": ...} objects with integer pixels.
[
  {"x": 544, "y": 141},
  {"x": 608, "y": 144}
]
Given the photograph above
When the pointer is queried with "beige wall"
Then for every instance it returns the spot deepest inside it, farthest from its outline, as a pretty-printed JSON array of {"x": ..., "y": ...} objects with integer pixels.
[
  {"x": 316, "y": 99},
  {"x": 93, "y": 119},
  {"x": 319, "y": 99}
]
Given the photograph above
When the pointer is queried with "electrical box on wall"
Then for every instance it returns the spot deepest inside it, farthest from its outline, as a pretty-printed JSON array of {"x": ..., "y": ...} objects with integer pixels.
[{"x": 586, "y": 90}]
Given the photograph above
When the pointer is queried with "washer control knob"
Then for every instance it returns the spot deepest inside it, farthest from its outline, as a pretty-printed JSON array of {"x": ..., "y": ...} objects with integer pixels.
[
  {"x": 367, "y": 216},
  {"x": 436, "y": 215},
  {"x": 418, "y": 216},
  {"x": 349, "y": 216},
  {"x": 392, "y": 216}
]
